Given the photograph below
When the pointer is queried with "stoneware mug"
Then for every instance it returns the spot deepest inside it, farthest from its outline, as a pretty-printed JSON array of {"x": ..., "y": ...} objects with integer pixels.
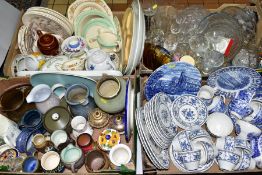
[{"x": 51, "y": 163}]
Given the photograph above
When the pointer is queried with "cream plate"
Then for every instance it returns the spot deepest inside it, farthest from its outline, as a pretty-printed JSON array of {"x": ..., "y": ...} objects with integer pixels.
[{"x": 73, "y": 6}]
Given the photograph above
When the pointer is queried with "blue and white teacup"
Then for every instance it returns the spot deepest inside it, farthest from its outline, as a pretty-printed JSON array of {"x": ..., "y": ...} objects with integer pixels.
[
  {"x": 217, "y": 105},
  {"x": 226, "y": 143},
  {"x": 245, "y": 130},
  {"x": 190, "y": 159},
  {"x": 227, "y": 160},
  {"x": 245, "y": 162},
  {"x": 210, "y": 150},
  {"x": 182, "y": 142},
  {"x": 256, "y": 116},
  {"x": 239, "y": 106},
  {"x": 256, "y": 144},
  {"x": 243, "y": 144},
  {"x": 206, "y": 93}
]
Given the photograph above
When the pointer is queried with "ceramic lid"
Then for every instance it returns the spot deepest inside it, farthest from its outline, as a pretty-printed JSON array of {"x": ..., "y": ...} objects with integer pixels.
[{"x": 56, "y": 118}]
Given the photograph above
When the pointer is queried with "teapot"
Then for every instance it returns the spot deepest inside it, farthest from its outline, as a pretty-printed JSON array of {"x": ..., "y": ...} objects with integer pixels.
[{"x": 47, "y": 44}]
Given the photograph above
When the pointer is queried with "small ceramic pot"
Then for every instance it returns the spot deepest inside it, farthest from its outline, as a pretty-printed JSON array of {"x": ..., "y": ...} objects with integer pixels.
[
  {"x": 96, "y": 160},
  {"x": 57, "y": 118},
  {"x": 110, "y": 94},
  {"x": 32, "y": 120},
  {"x": 227, "y": 160},
  {"x": 120, "y": 155},
  {"x": 118, "y": 124},
  {"x": 108, "y": 139},
  {"x": 217, "y": 105},
  {"x": 51, "y": 163},
  {"x": 39, "y": 141},
  {"x": 60, "y": 139},
  {"x": 80, "y": 125},
  {"x": 98, "y": 118},
  {"x": 9, "y": 131},
  {"x": 72, "y": 157},
  {"x": 43, "y": 97},
  {"x": 191, "y": 159},
  {"x": 99, "y": 60},
  {"x": 85, "y": 142},
  {"x": 206, "y": 93},
  {"x": 79, "y": 100},
  {"x": 24, "y": 142},
  {"x": 226, "y": 143},
  {"x": 47, "y": 44},
  {"x": 31, "y": 165},
  {"x": 219, "y": 124},
  {"x": 244, "y": 129}
]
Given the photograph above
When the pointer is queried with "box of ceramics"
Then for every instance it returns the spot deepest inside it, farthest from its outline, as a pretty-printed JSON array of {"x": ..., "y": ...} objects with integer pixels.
[{"x": 62, "y": 123}]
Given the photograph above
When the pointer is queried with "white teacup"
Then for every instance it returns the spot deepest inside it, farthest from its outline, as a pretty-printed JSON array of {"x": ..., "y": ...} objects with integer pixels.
[
  {"x": 245, "y": 129},
  {"x": 206, "y": 93},
  {"x": 99, "y": 60},
  {"x": 190, "y": 159},
  {"x": 217, "y": 105},
  {"x": 227, "y": 160}
]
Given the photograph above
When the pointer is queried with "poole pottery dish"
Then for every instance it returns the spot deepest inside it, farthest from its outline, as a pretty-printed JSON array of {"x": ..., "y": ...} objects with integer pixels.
[
  {"x": 189, "y": 111},
  {"x": 51, "y": 79},
  {"x": 229, "y": 81},
  {"x": 108, "y": 139}
]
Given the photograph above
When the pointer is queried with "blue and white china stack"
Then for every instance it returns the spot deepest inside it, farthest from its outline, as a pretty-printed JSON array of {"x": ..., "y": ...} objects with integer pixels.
[{"x": 228, "y": 111}]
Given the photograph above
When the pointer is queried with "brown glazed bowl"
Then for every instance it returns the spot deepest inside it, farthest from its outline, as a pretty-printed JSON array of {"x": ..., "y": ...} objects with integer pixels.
[
  {"x": 47, "y": 44},
  {"x": 96, "y": 160}
]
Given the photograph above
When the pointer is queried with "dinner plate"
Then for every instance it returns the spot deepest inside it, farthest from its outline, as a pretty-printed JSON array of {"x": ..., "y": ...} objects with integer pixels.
[
  {"x": 51, "y": 79},
  {"x": 159, "y": 157},
  {"x": 128, "y": 110},
  {"x": 44, "y": 22},
  {"x": 169, "y": 78},
  {"x": 71, "y": 9},
  {"x": 54, "y": 13},
  {"x": 189, "y": 111},
  {"x": 229, "y": 81},
  {"x": 145, "y": 145},
  {"x": 20, "y": 39}
]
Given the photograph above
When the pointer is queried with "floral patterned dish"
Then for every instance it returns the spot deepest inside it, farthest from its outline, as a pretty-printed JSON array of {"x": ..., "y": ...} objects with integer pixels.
[{"x": 108, "y": 139}]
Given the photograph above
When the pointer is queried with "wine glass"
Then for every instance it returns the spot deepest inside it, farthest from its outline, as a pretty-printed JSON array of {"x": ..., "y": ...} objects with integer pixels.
[{"x": 150, "y": 9}]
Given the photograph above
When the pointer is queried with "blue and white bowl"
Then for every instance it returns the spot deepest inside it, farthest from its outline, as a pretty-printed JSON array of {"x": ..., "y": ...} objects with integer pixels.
[
  {"x": 227, "y": 160},
  {"x": 255, "y": 117},
  {"x": 245, "y": 162},
  {"x": 226, "y": 143}
]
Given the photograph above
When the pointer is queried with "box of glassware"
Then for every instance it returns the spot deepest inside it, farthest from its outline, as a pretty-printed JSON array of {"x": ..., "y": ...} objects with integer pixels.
[
  {"x": 210, "y": 39},
  {"x": 89, "y": 41}
]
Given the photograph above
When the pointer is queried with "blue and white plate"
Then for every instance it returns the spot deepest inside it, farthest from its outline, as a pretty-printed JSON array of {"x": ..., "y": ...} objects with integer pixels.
[
  {"x": 128, "y": 111},
  {"x": 229, "y": 81},
  {"x": 169, "y": 77},
  {"x": 188, "y": 111},
  {"x": 158, "y": 156}
]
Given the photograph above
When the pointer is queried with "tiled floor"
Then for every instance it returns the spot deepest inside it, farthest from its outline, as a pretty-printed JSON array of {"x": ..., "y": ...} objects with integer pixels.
[{"x": 120, "y": 5}]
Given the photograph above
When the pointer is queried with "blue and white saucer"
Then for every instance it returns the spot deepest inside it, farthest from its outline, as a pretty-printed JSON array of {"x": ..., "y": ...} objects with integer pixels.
[
  {"x": 174, "y": 78},
  {"x": 188, "y": 111},
  {"x": 229, "y": 81}
]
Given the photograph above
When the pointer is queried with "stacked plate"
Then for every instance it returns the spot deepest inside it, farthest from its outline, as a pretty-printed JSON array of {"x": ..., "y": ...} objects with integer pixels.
[
  {"x": 156, "y": 154},
  {"x": 48, "y": 20},
  {"x": 159, "y": 120}
]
